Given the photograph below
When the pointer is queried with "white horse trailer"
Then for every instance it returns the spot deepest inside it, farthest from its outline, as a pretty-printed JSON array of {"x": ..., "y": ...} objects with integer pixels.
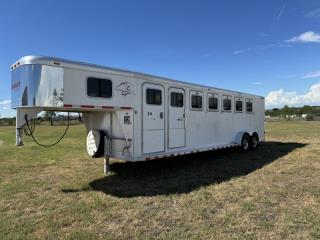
[{"x": 134, "y": 116}]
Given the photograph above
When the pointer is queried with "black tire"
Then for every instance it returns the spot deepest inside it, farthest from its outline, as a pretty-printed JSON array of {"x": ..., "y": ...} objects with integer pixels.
[
  {"x": 255, "y": 141},
  {"x": 245, "y": 142},
  {"x": 100, "y": 152}
]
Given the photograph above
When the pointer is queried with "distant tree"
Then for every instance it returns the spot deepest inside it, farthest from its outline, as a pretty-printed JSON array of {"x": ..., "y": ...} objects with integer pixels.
[
  {"x": 306, "y": 109},
  {"x": 286, "y": 110}
]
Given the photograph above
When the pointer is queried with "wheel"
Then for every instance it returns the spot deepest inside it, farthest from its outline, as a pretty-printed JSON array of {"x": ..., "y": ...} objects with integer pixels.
[
  {"x": 254, "y": 141},
  {"x": 245, "y": 142}
]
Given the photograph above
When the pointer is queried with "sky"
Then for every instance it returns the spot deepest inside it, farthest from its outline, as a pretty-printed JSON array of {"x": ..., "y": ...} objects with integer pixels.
[{"x": 265, "y": 47}]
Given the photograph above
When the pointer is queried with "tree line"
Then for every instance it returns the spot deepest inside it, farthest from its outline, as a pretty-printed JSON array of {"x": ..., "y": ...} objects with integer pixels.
[
  {"x": 48, "y": 117},
  {"x": 311, "y": 111},
  {"x": 298, "y": 111}
]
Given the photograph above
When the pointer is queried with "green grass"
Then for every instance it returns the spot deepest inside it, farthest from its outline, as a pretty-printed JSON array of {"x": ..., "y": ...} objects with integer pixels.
[{"x": 60, "y": 193}]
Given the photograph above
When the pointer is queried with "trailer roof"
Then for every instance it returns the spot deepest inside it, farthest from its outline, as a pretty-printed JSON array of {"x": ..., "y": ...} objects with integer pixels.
[{"x": 53, "y": 61}]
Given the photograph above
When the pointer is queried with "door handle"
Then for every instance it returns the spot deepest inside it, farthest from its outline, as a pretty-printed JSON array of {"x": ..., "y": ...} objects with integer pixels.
[{"x": 161, "y": 115}]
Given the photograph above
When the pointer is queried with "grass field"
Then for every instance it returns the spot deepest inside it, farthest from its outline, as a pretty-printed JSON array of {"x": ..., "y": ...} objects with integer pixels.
[{"x": 59, "y": 192}]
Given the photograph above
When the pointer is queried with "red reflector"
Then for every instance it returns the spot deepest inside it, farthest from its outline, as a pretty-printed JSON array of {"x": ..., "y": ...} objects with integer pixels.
[
  {"x": 107, "y": 107},
  {"x": 67, "y": 105},
  {"x": 87, "y": 106}
]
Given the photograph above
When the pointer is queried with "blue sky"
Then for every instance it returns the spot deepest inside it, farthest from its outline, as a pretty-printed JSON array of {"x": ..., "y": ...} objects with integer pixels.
[{"x": 270, "y": 47}]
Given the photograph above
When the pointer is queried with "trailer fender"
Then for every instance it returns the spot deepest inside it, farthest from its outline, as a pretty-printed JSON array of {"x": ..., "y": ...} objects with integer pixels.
[{"x": 240, "y": 135}]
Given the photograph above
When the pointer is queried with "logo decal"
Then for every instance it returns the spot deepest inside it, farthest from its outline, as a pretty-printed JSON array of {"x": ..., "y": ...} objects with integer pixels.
[
  {"x": 126, "y": 88},
  {"x": 15, "y": 86}
]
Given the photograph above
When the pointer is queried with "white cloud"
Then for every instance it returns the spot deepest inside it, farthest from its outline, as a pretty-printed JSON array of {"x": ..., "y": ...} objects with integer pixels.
[
  {"x": 315, "y": 13},
  {"x": 263, "y": 47},
  {"x": 5, "y": 108},
  {"x": 280, "y": 98},
  {"x": 5, "y": 102},
  {"x": 281, "y": 12},
  {"x": 307, "y": 37},
  {"x": 257, "y": 83},
  {"x": 312, "y": 75},
  {"x": 241, "y": 51}
]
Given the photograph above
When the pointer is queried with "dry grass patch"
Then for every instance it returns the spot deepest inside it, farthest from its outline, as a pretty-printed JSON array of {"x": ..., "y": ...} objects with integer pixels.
[{"x": 59, "y": 193}]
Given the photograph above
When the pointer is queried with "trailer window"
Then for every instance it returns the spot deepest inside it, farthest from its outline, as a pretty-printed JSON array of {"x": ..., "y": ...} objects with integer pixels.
[
  {"x": 176, "y": 99},
  {"x": 213, "y": 102},
  {"x": 98, "y": 87},
  {"x": 249, "y": 106},
  {"x": 154, "y": 96},
  {"x": 196, "y": 101},
  {"x": 239, "y": 105},
  {"x": 227, "y": 103}
]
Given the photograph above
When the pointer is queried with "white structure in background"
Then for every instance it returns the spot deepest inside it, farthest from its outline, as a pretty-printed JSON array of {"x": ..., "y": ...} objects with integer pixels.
[{"x": 139, "y": 116}]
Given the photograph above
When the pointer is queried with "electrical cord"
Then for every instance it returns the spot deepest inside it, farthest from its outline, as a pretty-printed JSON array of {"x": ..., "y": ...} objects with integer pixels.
[
  {"x": 31, "y": 131},
  {"x": 32, "y": 128}
]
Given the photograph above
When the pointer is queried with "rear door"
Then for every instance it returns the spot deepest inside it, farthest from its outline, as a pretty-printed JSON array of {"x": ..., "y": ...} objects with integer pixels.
[
  {"x": 153, "y": 139},
  {"x": 177, "y": 133}
]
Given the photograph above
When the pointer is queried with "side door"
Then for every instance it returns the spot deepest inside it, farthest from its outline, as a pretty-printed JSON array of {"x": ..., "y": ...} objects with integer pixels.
[
  {"x": 177, "y": 133},
  {"x": 153, "y": 137}
]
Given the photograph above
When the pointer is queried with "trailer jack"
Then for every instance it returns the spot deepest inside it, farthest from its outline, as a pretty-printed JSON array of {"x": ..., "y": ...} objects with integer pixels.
[{"x": 106, "y": 163}]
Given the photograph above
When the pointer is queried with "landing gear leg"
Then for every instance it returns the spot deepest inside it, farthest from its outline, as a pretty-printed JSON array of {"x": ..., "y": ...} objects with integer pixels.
[{"x": 106, "y": 165}]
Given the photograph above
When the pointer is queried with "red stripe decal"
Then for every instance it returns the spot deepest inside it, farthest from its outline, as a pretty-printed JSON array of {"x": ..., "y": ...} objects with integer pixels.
[
  {"x": 107, "y": 107},
  {"x": 67, "y": 105},
  {"x": 87, "y": 106},
  {"x": 15, "y": 85},
  {"x": 126, "y": 108}
]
